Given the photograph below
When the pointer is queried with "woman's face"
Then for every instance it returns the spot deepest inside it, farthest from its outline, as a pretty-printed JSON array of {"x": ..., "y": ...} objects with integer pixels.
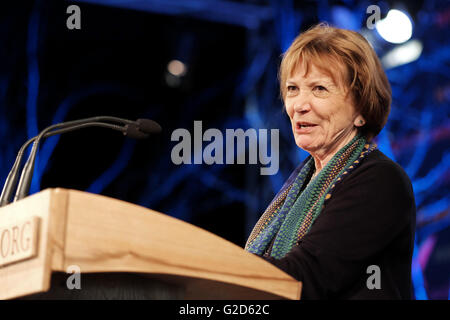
[{"x": 321, "y": 114}]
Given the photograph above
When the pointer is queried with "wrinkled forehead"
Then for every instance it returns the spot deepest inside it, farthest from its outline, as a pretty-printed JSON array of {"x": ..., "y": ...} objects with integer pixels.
[{"x": 327, "y": 66}]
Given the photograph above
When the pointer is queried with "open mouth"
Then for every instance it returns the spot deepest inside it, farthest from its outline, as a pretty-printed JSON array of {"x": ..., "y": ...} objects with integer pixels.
[{"x": 301, "y": 125}]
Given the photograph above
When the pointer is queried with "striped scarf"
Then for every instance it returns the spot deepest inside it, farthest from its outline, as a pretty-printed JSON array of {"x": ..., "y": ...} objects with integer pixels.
[{"x": 291, "y": 214}]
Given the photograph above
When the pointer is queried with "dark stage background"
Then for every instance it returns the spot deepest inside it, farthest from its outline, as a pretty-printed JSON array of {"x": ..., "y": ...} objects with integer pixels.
[{"x": 117, "y": 64}]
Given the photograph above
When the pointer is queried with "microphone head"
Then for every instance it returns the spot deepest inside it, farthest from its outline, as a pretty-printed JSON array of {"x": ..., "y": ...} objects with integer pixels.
[
  {"x": 148, "y": 126},
  {"x": 132, "y": 131}
]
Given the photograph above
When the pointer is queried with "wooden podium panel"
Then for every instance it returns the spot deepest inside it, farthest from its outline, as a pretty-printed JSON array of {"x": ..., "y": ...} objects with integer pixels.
[{"x": 100, "y": 235}]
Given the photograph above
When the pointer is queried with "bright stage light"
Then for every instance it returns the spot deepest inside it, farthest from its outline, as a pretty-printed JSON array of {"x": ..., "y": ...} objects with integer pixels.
[
  {"x": 177, "y": 68},
  {"x": 402, "y": 54},
  {"x": 396, "y": 27}
]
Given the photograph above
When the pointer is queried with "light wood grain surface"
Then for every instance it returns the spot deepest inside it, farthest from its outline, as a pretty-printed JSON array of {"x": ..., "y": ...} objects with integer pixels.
[{"x": 101, "y": 234}]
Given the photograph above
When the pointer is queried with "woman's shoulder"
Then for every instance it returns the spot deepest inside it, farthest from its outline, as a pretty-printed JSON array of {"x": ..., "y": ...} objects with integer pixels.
[
  {"x": 378, "y": 162},
  {"x": 379, "y": 171}
]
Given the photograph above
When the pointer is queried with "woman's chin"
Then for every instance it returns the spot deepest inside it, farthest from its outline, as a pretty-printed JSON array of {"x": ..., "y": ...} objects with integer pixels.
[{"x": 305, "y": 143}]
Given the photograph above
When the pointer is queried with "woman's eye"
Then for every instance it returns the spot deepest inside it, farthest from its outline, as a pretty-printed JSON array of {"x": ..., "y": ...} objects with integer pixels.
[
  {"x": 291, "y": 90},
  {"x": 320, "y": 88},
  {"x": 320, "y": 91}
]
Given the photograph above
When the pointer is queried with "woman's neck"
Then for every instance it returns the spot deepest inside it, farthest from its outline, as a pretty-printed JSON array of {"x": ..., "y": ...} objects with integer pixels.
[{"x": 322, "y": 158}]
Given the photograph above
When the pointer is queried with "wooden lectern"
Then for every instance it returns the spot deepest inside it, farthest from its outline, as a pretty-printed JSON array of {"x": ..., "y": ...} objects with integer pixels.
[{"x": 120, "y": 250}]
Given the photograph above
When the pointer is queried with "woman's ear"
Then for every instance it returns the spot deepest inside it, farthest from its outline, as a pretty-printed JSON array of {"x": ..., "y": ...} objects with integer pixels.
[{"x": 359, "y": 121}]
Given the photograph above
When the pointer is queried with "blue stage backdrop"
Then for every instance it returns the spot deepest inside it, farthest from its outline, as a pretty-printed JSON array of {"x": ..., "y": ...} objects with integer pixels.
[{"x": 214, "y": 63}]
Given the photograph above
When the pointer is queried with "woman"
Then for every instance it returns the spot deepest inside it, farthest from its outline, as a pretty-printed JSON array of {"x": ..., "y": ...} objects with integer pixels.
[{"x": 344, "y": 221}]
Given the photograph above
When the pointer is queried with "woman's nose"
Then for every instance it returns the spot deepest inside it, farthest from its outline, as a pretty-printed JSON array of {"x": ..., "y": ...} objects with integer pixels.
[
  {"x": 302, "y": 106},
  {"x": 302, "y": 101}
]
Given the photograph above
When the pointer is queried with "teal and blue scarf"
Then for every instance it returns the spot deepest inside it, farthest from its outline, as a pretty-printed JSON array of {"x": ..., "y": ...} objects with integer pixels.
[{"x": 291, "y": 214}]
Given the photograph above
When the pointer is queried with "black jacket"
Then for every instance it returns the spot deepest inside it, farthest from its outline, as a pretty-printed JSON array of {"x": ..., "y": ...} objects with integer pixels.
[{"x": 369, "y": 220}]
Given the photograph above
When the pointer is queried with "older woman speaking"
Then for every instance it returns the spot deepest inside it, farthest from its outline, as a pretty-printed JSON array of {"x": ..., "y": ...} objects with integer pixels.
[{"x": 344, "y": 221}]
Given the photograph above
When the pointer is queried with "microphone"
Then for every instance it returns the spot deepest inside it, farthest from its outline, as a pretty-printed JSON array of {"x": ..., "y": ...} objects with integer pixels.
[
  {"x": 11, "y": 180},
  {"x": 134, "y": 129},
  {"x": 148, "y": 126},
  {"x": 27, "y": 171},
  {"x": 131, "y": 129}
]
